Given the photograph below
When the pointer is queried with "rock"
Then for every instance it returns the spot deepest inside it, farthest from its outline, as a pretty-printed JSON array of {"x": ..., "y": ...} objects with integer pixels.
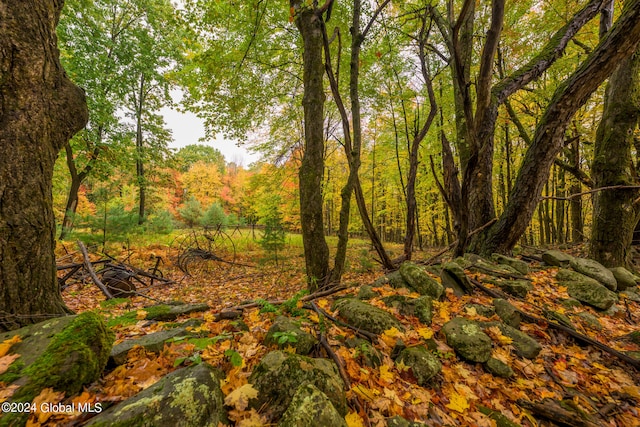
[
  {"x": 420, "y": 281},
  {"x": 482, "y": 310},
  {"x": 393, "y": 279},
  {"x": 570, "y": 303},
  {"x": 74, "y": 356},
  {"x": 565, "y": 275},
  {"x": 398, "y": 421},
  {"x": 419, "y": 307},
  {"x": 499, "y": 418},
  {"x": 557, "y": 317},
  {"x": 518, "y": 288},
  {"x": 624, "y": 278},
  {"x": 518, "y": 265},
  {"x": 188, "y": 397},
  {"x": 634, "y": 354},
  {"x": 591, "y": 293},
  {"x": 279, "y": 374},
  {"x": 631, "y": 294},
  {"x": 525, "y": 346},
  {"x": 633, "y": 336},
  {"x": 423, "y": 364},
  {"x": 285, "y": 332},
  {"x": 557, "y": 258},
  {"x": 498, "y": 368},
  {"x": 615, "y": 311},
  {"x": 507, "y": 312},
  {"x": 153, "y": 342},
  {"x": 310, "y": 407},
  {"x": 365, "y": 316},
  {"x": 366, "y": 292},
  {"x": 595, "y": 270},
  {"x": 453, "y": 277},
  {"x": 467, "y": 339},
  {"x": 590, "y": 320},
  {"x": 370, "y": 355}
]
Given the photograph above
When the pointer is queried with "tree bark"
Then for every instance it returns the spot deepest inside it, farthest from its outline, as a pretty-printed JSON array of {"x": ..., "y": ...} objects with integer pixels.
[
  {"x": 548, "y": 140},
  {"x": 615, "y": 214},
  {"x": 316, "y": 251},
  {"x": 40, "y": 110}
]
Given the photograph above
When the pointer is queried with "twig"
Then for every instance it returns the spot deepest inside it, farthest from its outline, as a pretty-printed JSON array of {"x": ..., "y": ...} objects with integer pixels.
[
  {"x": 339, "y": 363},
  {"x": 92, "y": 272},
  {"x": 365, "y": 334},
  {"x": 595, "y": 190}
]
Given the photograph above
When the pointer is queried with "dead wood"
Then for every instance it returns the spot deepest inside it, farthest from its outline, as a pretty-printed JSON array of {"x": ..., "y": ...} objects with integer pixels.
[
  {"x": 552, "y": 411},
  {"x": 92, "y": 272}
]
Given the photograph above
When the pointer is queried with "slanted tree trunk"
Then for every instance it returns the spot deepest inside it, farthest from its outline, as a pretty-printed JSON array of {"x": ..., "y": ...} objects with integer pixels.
[
  {"x": 615, "y": 213},
  {"x": 142, "y": 185},
  {"x": 40, "y": 110},
  {"x": 548, "y": 140},
  {"x": 316, "y": 251}
]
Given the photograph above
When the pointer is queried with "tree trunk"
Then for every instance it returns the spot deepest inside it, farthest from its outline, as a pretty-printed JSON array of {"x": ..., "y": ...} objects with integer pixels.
[
  {"x": 316, "y": 251},
  {"x": 615, "y": 214},
  {"x": 142, "y": 186},
  {"x": 40, "y": 110},
  {"x": 548, "y": 140}
]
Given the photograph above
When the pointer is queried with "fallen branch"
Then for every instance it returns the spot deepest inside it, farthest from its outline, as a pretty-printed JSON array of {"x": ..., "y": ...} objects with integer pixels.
[
  {"x": 364, "y": 334},
  {"x": 577, "y": 335},
  {"x": 92, "y": 272},
  {"x": 554, "y": 412},
  {"x": 305, "y": 298}
]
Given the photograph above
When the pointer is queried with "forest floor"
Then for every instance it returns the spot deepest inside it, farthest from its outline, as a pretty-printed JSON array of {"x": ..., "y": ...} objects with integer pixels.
[{"x": 581, "y": 376}]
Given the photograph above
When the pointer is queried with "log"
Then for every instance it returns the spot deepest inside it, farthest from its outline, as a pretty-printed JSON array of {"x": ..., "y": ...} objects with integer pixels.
[
  {"x": 92, "y": 272},
  {"x": 550, "y": 410}
]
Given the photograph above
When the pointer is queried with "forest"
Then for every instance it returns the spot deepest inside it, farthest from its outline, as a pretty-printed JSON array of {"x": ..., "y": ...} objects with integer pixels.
[{"x": 440, "y": 228}]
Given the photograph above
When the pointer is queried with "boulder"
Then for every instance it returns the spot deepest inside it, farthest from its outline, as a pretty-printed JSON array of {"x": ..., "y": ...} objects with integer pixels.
[
  {"x": 365, "y": 316},
  {"x": 557, "y": 258},
  {"x": 279, "y": 374},
  {"x": 498, "y": 368},
  {"x": 517, "y": 264},
  {"x": 631, "y": 294},
  {"x": 423, "y": 364},
  {"x": 366, "y": 292},
  {"x": 590, "y": 320},
  {"x": 560, "y": 318},
  {"x": 571, "y": 303},
  {"x": 624, "y": 278},
  {"x": 407, "y": 306},
  {"x": 153, "y": 342},
  {"x": 370, "y": 355},
  {"x": 188, "y": 397},
  {"x": 518, "y": 288},
  {"x": 453, "y": 277},
  {"x": 393, "y": 279},
  {"x": 507, "y": 312},
  {"x": 565, "y": 275},
  {"x": 595, "y": 270},
  {"x": 467, "y": 339},
  {"x": 310, "y": 407},
  {"x": 500, "y": 419},
  {"x": 420, "y": 281},
  {"x": 286, "y": 333},
  {"x": 482, "y": 310},
  {"x": 525, "y": 346},
  {"x": 591, "y": 293}
]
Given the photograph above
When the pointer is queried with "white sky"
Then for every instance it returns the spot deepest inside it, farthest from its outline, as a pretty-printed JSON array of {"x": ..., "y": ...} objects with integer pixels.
[{"x": 188, "y": 129}]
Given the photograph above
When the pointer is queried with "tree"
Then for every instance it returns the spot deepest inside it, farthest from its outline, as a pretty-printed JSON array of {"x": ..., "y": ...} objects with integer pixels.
[
  {"x": 193, "y": 153},
  {"x": 41, "y": 110}
]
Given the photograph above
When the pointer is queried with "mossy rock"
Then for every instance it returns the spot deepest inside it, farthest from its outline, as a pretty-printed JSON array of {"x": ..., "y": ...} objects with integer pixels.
[
  {"x": 365, "y": 316},
  {"x": 634, "y": 337},
  {"x": 421, "y": 307},
  {"x": 590, "y": 320},
  {"x": 73, "y": 358},
  {"x": 557, "y": 317},
  {"x": 517, "y": 264},
  {"x": 370, "y": 355},
  {"x": 283, "y": 327},
  {"x": 624, "y": 278},
  {"x": 453, "y": 277},
  {"x": 557, "y": 258},
  {"x": 310, "y": 407},
  {"x": 152, "y": 342},
  {"x": 571, "y": 303},
  {"x": 566, "y": 275},
  {"x": 507, "y": 312},
  {"x": 518, "y": 288},
  {"x": 398, "y": 421},
  {"x": 525, "y": 346},
  {"x": 423, "y": 364},
  {"x": 393, "y": 279},
  {"x": 366, "y": 292},
  {"x": 498, "y": 368},
  {"x": 161, "y": 312},
  {"x": 595, "y": 270},
  {"x": 632, "y": 294},
  {"x": 500, "y": 419},
  {"x": 594, "y": 294},
  {"x": 420, "y": 281},
  {"x": 279, "y": 374},
  {"x": 482, "y": 310},
  {"x": 467, "y": 339},
  {"x": 188, "y": 397}
]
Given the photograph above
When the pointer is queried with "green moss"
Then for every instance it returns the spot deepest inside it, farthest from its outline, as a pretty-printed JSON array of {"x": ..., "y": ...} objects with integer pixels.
[
  {"x": 131, "y": 317},
  {"x": 13, "y": 372},
  {"x": 110, "y": 303},
  {"x": 73, "y": 358}
]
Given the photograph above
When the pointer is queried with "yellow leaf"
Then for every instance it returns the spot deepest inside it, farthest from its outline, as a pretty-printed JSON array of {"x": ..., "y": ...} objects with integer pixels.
[
  {"x": 6, "y": 344},
  {"x": 385, "y": 374},
  {"x": 363, "y": 392},
  {"x": 425, "y": 333},
  {"x": 496, "y": 334},
  {"x": 314, "y": 317},
  {"x": 458, "y": 402},
  {"x": 141, "y": 315},
  {"x": 254, "y": 420},
  {"x": 354, "y": 420},
  {"x": 390, "y": 336},
  {"x": 239, "y": 398}
]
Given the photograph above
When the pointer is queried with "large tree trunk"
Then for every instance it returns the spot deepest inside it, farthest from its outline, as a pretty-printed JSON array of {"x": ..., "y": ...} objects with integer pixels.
[
  {"x": 316, "y": 251},
  {"x": 615, "y": 214},
  {"x": 618, "y": 45},
  {"x": 40, "y": 110},
  {"x": 142, "y": 186}
]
